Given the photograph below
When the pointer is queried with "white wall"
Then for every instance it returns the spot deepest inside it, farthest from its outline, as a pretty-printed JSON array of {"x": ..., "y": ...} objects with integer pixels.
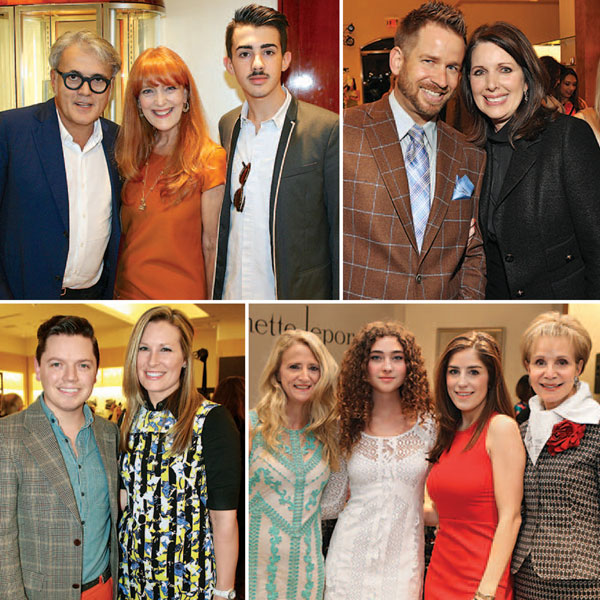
[
  {"x": 343, "y": 320},
  {"x": 195, "y": 29}
]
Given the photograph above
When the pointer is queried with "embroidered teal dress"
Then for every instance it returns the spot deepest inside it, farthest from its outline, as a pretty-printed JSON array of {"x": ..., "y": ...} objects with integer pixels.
[
  {"x": 165, "y": 533},
  {"x": 285, "y": 561}
]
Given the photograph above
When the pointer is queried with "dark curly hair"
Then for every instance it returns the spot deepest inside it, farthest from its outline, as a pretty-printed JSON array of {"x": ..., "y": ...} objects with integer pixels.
[{"x": 355, "y": 401}]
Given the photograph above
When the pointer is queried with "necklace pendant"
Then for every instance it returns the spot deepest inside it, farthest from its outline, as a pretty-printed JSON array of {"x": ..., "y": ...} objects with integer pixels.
[{"x": 142, "y": 205}]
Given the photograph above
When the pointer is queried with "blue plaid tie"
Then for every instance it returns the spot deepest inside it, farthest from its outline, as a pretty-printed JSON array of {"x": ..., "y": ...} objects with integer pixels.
[{"x": 417, "y": 170}]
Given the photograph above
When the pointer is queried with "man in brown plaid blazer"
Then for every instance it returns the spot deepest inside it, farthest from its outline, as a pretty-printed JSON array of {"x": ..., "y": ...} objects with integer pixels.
[
  {"x": 58, "y": 479},
  {"x": 382, "y": 258}
]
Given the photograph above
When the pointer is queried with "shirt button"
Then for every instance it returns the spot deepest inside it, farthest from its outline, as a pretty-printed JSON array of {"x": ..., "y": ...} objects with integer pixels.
[
  {"x": 419, "y": 278},
  {"x": 520, "y": 293},
  {"x": 509, "y": 258},
  {"x": 77, "y": 542},
  {"x": 75, "y": 586},
  {"x": 569, "y": 257}
]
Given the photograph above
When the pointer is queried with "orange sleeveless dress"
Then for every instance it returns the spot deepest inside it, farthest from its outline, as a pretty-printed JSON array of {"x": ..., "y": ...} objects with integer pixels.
[{"x": 160, "y": 255}]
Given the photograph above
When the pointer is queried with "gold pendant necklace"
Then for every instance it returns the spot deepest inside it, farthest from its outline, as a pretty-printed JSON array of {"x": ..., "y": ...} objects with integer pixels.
[{"x": 142, "y": 205}]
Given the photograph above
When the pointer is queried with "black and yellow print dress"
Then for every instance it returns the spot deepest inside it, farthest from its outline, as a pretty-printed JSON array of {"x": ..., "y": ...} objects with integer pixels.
[{"x": 165, "y": 533}]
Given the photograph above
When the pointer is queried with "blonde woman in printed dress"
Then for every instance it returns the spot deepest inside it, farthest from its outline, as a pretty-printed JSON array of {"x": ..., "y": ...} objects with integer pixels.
[
  {"x": 293, "y": 446},
  {"x": 386, "y": 432},
  {"x": 180, "y": 468}
]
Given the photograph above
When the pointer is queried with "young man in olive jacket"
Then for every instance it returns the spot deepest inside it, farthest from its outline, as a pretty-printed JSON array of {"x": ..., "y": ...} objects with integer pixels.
[{"x": 278, "y": 230}]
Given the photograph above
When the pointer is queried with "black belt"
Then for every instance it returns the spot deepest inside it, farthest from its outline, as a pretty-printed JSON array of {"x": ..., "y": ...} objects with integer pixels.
[
  {"x": 90, "y": 584},
  {"x": 95, "y": 292}
]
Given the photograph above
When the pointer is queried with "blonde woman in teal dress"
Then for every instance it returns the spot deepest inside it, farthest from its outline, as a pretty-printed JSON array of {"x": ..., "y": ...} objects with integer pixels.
[
  {"x": 180, "y": 468},
  {"x": 293, "y": 448}
]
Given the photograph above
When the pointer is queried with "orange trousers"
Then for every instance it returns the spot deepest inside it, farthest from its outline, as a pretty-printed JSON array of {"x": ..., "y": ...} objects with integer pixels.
[{"x": 102, "y": 591}]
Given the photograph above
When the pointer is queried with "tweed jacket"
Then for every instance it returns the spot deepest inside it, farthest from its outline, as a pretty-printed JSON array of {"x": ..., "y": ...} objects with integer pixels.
[
  {"x": 560, "y": 526},
  {"x": 381, "y": 258},
  {"x": 304, "y": 204},
  {"x": 547, "y": 216},
  {"x": 40, "y": 528},
  {"x": 34, "y": 204}
]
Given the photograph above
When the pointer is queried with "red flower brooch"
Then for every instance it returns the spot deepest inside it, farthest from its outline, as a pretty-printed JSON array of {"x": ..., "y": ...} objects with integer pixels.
[{"x": 565, "y": 435}]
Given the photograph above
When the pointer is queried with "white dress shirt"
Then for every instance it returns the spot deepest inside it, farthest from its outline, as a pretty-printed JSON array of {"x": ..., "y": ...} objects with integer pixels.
[
  {"x": 249, "y": 274},
  {"x": 90, "y": 207},
  {"x": 404, "y": 123}
]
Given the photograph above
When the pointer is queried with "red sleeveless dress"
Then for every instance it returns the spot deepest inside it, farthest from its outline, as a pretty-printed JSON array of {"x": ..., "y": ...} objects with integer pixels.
[{"x": 462, "y": 487}]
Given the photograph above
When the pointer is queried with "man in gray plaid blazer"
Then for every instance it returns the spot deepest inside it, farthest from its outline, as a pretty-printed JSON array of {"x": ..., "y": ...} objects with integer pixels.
[
  {"x": 58, "y": 478},
  {"x": 384, "y": 256}
]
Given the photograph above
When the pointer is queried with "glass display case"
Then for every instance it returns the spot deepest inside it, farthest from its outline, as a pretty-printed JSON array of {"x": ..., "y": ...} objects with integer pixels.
[
  {"x": 7, "y": 59},
  {"x": 32, "y": 29}
]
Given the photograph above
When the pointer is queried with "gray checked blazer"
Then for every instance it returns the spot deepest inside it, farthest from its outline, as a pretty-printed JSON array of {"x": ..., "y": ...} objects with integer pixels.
[
  {"x": 41, "y": 554},
  {"x": 561, "y": 512}
]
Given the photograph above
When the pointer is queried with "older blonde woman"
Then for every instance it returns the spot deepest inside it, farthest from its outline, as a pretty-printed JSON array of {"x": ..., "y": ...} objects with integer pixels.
[
  {"x": 293, "y": 447},
  {"x": 557, "y": 554},
  {"x": 180, "y": 468}
]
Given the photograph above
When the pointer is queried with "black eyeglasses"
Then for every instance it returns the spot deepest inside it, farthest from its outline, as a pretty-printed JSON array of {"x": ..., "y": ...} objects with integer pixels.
[
  {"x": 74, "y": 80},
  {"x": 239, "y": 200}
]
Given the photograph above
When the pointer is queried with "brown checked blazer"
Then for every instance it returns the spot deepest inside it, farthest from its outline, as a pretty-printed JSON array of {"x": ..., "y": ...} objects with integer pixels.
[
  {"x": 41, "y": 554},
  {"x": 381, "y": 259}
]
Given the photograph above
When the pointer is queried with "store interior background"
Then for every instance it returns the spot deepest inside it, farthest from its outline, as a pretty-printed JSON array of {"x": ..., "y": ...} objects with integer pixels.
[
  {"x": 336, "y": 324},
  {"x": 219, "y": 328},
  {"x": 541, "y": 20}
]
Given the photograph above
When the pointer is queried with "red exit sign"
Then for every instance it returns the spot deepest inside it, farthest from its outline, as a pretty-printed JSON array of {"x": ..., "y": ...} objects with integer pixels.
[{"x": 392, "y": 22}]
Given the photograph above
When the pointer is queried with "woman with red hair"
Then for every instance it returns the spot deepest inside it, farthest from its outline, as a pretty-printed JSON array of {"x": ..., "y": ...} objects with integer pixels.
[{"x": 174, "y": 175}]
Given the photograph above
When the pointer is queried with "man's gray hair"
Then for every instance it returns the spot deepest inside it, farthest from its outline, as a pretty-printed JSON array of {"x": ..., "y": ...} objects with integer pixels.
[{"x": 89, "y": 40}]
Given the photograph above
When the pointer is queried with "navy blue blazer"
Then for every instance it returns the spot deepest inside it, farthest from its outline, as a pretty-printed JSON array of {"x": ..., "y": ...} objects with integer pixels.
[{"x": 34, "y": 204}]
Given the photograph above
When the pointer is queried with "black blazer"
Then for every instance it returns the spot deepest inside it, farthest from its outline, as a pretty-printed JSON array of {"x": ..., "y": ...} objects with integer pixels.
[
  {"x": 547, "y": 219},
  {"x": 560, "y": 526}
]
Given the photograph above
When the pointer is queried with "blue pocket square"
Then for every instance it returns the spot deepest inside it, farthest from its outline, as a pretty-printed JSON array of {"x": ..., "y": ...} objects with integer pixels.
[{"x": 463, "y": 188}]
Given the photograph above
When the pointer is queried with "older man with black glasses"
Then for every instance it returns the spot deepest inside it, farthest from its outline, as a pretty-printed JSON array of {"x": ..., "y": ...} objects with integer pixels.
[{"x": 59, "y": 185}]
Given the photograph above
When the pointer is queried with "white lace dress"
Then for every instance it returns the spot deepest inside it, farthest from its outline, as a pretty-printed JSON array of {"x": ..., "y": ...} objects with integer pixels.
[{"x": 377, "y": 548}]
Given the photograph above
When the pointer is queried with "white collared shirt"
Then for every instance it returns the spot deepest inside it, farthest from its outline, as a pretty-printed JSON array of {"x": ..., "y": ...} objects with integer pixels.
[
  {"x": 249, "y": 274},
  {"x": 404, "y": 123},
  {"x": 90, "y": 207}
]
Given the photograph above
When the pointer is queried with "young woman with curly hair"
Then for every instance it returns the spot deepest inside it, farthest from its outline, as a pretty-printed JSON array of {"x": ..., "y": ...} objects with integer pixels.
[
  {"x": 476, "y": 482},
  {"x": 293, "y": 447},
  {"x": 386, "y": 433}
]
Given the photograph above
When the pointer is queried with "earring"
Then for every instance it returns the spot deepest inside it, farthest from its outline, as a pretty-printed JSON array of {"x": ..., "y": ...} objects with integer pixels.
[
  {"x": 576, "y": 380},
  {"x": 186, "y": 106},
  {"x": 140, "y": 112},
  {"x": 526, "y": 95}
]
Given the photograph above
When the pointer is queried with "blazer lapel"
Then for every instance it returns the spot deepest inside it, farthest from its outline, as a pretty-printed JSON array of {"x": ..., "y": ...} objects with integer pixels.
[
  {"x": 446, "y": 170},
  {"x": 108, "y": 452},
  {"x": 45, "y": 451},
  {"x": 522, "y": 160},
  {"x": 47, "y": 140},
  {"x": 382, "y": 136}
]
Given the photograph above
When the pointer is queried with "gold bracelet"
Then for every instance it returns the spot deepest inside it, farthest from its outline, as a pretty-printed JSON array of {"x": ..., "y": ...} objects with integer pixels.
[{"x": 481, "y": 596}]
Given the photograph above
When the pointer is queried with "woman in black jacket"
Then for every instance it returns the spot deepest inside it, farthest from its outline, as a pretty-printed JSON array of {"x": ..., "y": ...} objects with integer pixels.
[{"x": 540, "y": 202}]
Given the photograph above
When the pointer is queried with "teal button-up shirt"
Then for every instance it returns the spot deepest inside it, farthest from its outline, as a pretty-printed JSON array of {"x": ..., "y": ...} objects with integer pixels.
[{"x": 90, "y": 486}]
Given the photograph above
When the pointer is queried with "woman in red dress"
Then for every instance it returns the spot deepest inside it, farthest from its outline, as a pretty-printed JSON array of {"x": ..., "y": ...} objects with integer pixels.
[{"x": 476, "y": 483}]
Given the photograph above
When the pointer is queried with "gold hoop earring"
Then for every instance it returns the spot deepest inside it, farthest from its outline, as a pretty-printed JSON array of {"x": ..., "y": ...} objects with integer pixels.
[{"x": 186, "y": 106}]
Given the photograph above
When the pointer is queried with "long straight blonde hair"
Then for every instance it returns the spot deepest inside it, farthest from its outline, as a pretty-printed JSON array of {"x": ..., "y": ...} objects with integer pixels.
[
  {"x": 271, "y": 409},
  {"x": 185, "y": 402}
]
